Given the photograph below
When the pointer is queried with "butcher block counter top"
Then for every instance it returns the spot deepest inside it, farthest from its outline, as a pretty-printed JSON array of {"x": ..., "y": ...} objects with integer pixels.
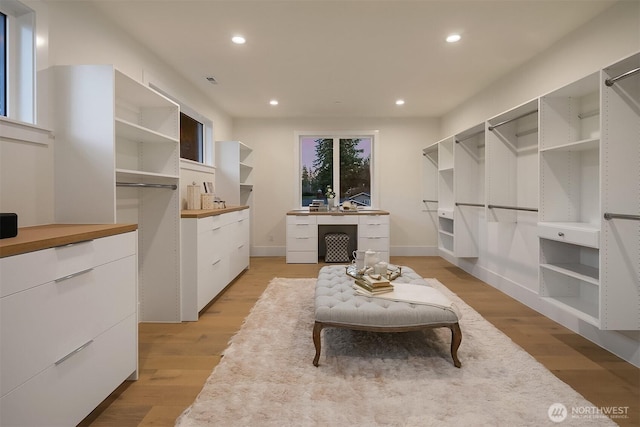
[
  {"x": 203, "y": 213},
  {"x": 35, "y": 238}
]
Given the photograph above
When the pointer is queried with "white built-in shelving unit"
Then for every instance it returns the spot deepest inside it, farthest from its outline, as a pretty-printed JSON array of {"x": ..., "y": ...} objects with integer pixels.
[
  {"x": 561, "y": 228},
  {"x": 234, "y": 180},
  {"x": 430, "y": 178},
  {"x": 117, "y": 161}
]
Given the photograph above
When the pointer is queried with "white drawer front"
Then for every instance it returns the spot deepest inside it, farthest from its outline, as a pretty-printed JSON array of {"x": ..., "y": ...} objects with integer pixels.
[
  {"x": 24, "y": 271},
  {"x": 302, "y": 230},
  {"x": 64, "y": 394},
  {"x": 214, "y": 221},
  {"x": 301, "y": 219},
  {"x": 45, "y": 323},
  {"x": 302, "y": 244},
  {"x": 338, "y": 219},
  {"x": 373, "y": 243},
  {"x": 302, "y": 257},
  {"x": 578, "y": 236},
  {"x": 373, "y": 230},
  {"x": 444, "y": 213},
  {"x": 373, "y": 220}
]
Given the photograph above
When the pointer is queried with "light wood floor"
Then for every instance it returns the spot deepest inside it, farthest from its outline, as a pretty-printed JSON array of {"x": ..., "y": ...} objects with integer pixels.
[{"x": 176, "y": 359}]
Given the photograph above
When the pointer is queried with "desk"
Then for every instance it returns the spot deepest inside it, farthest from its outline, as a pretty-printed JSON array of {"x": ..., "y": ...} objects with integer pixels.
[{"x": 305, "y": 230}]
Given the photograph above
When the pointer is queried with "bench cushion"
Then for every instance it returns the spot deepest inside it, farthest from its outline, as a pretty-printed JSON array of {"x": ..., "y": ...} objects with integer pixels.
[{"x": 337, "y": 302}]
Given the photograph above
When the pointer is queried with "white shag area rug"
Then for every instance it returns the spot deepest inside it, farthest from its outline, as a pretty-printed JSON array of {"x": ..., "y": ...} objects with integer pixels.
[{"x": 266, "y": 377}]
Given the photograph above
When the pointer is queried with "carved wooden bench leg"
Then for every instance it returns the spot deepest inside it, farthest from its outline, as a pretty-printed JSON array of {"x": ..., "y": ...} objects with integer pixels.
[
  {"x": 317, "y": 329},
  {"x": 456, "y": 339}
]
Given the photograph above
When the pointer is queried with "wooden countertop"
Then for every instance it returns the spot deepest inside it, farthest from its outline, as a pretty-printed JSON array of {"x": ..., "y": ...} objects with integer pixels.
[
  {"x": 339, "y": 213},
  {"x": 30, "y": 239},
  {"x": 203, "y": 213}
]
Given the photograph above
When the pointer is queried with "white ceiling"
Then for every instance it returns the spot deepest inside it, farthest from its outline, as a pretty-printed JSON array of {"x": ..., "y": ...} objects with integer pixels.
[{"x": 324, "y": 58}]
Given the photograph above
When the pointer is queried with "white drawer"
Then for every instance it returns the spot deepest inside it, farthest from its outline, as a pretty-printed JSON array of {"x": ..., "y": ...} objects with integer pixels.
[
  {"x": 214, "y": 222},
  {"x": 20, "y": 272},
  {"x": 575, "y": 233},
  {"x": 302, "y": 230},
  {"x": 373, "y": 220},
  {"x": 445, "y": 213},
  {"x": 302, "y": 243},
  {"x": 63, "y": 394},
  {"x": 373, "y": 230},
  {"x": 345, "y": 219},
  {"x": 302, "y": 257},
  {"x": 301, "y": 219},
  {"x": 45, "y": 323},
  {"x": 373, "y": 243}
]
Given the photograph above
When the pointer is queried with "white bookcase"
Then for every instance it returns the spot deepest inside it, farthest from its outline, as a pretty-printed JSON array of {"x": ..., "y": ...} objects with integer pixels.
[
  {"x": 512, "y": 163},
  {"x": 445, "y": 195},
  {"x": 234, "y": 172},
  {"x": 117, "y": 161}
]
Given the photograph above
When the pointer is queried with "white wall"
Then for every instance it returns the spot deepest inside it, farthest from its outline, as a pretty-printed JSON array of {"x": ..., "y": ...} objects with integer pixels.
[
  {"x": 398, "y": 150},
  {"x": 612, "y": 35},
  {"x": 75, "y": 33}
]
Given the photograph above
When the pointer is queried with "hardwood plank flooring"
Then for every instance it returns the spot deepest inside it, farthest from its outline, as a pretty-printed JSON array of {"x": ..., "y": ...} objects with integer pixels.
[{"x": 176, "y": 359}]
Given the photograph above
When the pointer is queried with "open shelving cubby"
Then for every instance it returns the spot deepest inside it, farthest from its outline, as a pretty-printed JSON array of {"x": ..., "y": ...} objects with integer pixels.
[{"x": 445, "y": 195}]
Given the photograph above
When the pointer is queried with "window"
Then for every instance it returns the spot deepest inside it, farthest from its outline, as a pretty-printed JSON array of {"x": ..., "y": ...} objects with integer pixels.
[
  {"x": 191, "y": 137},
  {"x": 342, "y": 163},
  {"x": 17, "y": 49}
]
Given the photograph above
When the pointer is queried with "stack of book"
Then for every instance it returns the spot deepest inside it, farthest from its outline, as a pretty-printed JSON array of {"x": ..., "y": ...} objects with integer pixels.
[{"x": 370, "y": 285}]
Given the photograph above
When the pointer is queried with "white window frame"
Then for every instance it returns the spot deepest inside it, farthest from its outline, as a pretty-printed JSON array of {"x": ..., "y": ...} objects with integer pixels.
[
  {"x": 21, "y": 61},
  {"x": 336, "y": 136}
]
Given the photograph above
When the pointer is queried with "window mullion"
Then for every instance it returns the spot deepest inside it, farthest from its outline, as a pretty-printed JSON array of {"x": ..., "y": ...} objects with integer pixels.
[{"x": 336, "y": 168}]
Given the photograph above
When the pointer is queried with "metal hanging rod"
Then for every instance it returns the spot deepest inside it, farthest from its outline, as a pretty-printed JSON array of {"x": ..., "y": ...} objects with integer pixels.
[
  {"x": 469, "y": 136},
  {"x": 143, "y": 185},
  {"x": 612, "y": 80},
  {"x": 588, "y": 114},
  {"x": 608, "y": 216},
  {"x": 470, "y": 204},
  {"x": 429, "y": 201},
  {"x": 514, "y": 208},
  {"x": 511, "y": 120}
]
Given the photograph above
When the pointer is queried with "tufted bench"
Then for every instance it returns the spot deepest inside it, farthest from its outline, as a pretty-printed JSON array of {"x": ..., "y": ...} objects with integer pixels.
[{"x": 337, "y": 305}]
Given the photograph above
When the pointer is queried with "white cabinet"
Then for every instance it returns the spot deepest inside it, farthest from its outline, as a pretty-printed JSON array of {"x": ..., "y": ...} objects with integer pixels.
[
  {"x": 68, "y": 327},
  {"x": 589, "y": 264},
  {"x": 373, "y": 233},
  {"x": 215, "y": 250},
  {"x": 302, "y": 239},
  {"x": 234, "y": 173},
  {"x": 117, "y": 160}
]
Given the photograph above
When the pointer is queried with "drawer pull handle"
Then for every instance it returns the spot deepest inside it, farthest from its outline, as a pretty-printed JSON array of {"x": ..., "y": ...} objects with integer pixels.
[
  {"x": 560, "y": 233},
  {"x": 241, "y": 246},
  {"x": 301, "y": 238},
  {"x": 76, "y": 351},
  {"x": 216, "y": 229},
  {"x": 217, "y": 261},
  {"x": 73, "y": 244},
  {"x": 71, "y": 276}
]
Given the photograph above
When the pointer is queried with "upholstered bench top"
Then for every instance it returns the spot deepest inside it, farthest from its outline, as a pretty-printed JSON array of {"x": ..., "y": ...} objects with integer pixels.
[{"x": 337, "y": 302}]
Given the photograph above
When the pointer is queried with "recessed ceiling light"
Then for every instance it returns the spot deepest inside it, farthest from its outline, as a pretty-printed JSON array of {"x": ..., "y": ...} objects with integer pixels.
[
  {"x": 238, "y": 40},
  {"x": 273, "y": 102},
  {"x": 452, "y": 38},
  {"x": 400, "y": 102}
]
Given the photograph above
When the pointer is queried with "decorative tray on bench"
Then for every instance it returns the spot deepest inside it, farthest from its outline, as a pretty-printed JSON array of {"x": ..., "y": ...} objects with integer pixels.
[{"x": 392, "y": 273}]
